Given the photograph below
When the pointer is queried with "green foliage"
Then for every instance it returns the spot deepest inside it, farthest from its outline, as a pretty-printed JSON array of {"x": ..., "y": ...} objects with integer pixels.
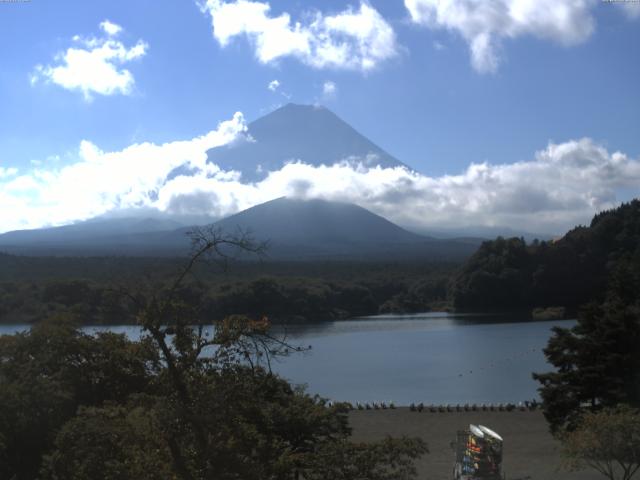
[
  {"x": 176, "y": 404},
  {"x": 607, "y": 441},
  {"x": 50, "y": 371},
  {"x": 598, "y": 360},
  {"x": 508, "y": 274},
  {"x": 305, "y": 292},
  {"x": 110, "y": 442},
  {"x": 129, "y": 416},
  {"x": 429, "y": 292},
  {"x": 495, "y": 276}
]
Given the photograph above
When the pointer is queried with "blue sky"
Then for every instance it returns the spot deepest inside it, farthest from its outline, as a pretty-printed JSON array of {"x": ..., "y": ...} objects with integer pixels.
[{"x": 549, "y": 72}]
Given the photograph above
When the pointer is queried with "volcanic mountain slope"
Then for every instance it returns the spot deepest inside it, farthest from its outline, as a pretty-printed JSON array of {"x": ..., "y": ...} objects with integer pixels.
[
  {"x": 309, "y": 133},
  {"x": 295, "y": 221},
  {"x": 88, "y": 230},
  {"x": 306, "y": 229},
  {"x": 294, "y": 229}
]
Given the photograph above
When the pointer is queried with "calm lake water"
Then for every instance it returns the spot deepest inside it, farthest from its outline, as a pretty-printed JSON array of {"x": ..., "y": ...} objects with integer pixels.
[{"x": 431, "y": 358}]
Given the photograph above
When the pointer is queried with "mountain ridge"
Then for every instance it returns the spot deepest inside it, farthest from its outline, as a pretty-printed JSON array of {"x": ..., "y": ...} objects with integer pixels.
[
  {"x": 295, "y": 229},
  {"x": 325, "y": 220},
  {"x": 309, "y": 133}
]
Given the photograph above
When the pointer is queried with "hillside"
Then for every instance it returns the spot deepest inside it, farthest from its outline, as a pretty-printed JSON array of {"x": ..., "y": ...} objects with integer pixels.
[
  {"x": 88, "y": 230},
  {"x": 311, "y": 229},
  {"x": 312, "y": 134},
  {"x": 578, "y": 268},
  {"x": 295, "y": 230},
  {"x": 316, "y": 221}
]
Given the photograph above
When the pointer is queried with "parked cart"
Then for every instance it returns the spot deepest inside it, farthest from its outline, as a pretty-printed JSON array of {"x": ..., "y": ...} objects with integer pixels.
[{"x": 478, "y": 453}]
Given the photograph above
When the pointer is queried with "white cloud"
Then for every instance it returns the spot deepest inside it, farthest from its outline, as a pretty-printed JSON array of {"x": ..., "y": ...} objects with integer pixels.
[
  {"x": 99, "y": 182},
  {"x": 353, "y": 39},
  {"x": 7, "y": 172},
  {"x": 484, "y": 24},
  {"x": 562, "y": 185},
  {"x": 110, "y": 28},
  {"x": 329, "y": 90},
  {"x": 631, "y": 9},
  {"x": 273, "y": 85},
  {"x": 94, "y": 65}
]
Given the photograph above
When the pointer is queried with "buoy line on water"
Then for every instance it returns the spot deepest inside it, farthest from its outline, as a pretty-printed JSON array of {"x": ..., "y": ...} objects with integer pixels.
[{"x": 495, "y": 363}]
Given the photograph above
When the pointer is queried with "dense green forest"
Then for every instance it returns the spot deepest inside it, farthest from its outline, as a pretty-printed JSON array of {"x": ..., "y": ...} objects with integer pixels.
[
  {"x": 569, "y": 272},
  {"x": 591, "y": 396},
  {"x": 80, "y": 407},
  {"x": 597, "y": 361},
  {"x": 32, "y": 288}
]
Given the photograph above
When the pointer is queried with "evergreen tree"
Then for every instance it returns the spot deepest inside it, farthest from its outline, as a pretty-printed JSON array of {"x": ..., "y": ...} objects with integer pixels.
[{"x": 598, "y": 360}]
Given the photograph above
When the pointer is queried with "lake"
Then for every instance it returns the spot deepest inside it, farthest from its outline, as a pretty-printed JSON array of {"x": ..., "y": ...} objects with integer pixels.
[{"x": 432, "y": 358}]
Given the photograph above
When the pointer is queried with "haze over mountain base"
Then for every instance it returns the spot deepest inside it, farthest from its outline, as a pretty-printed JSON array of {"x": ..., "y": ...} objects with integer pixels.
[{"x": 294, "y": 229}]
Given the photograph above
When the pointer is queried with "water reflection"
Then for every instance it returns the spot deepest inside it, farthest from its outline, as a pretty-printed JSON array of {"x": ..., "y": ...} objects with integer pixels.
[{"x": 429, "y": 321}]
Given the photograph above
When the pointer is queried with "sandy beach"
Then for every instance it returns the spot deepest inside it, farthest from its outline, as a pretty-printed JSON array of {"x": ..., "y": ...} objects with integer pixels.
[{"x": 530, "y": 452}]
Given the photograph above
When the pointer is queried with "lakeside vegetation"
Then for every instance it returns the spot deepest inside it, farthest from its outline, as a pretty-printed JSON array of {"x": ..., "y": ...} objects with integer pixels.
[
  {"x": 570, "y": 272},
  {"x": 591, "y": 399},
  {"x": 32, "y": 288},
  {"x": 80, "y": 407}
]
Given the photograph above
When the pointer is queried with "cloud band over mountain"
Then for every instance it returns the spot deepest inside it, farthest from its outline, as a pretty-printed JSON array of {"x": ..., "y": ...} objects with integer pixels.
[{"x": 563, "y": 184}]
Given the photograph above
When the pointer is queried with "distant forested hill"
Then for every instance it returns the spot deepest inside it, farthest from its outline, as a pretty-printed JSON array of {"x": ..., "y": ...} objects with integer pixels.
[
  {"x": 509, "y": 274},
  {"x": 34, "y": 288}
]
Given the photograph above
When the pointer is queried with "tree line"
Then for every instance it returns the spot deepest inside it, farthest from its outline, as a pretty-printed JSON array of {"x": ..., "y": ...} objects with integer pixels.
[
  {"x": 568, "y": 272},
  {"x": 592, "y": 397},
  {"x": 310, "y": 297}
]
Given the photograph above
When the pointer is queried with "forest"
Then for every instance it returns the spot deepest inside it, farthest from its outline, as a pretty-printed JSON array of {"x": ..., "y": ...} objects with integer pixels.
[
  {"x": 35, "y": 287},
  {"x": 509, "y": 274}
]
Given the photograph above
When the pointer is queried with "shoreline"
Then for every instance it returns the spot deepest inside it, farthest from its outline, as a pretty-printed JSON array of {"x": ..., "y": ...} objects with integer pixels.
[{"x": 530, "y": 452}]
